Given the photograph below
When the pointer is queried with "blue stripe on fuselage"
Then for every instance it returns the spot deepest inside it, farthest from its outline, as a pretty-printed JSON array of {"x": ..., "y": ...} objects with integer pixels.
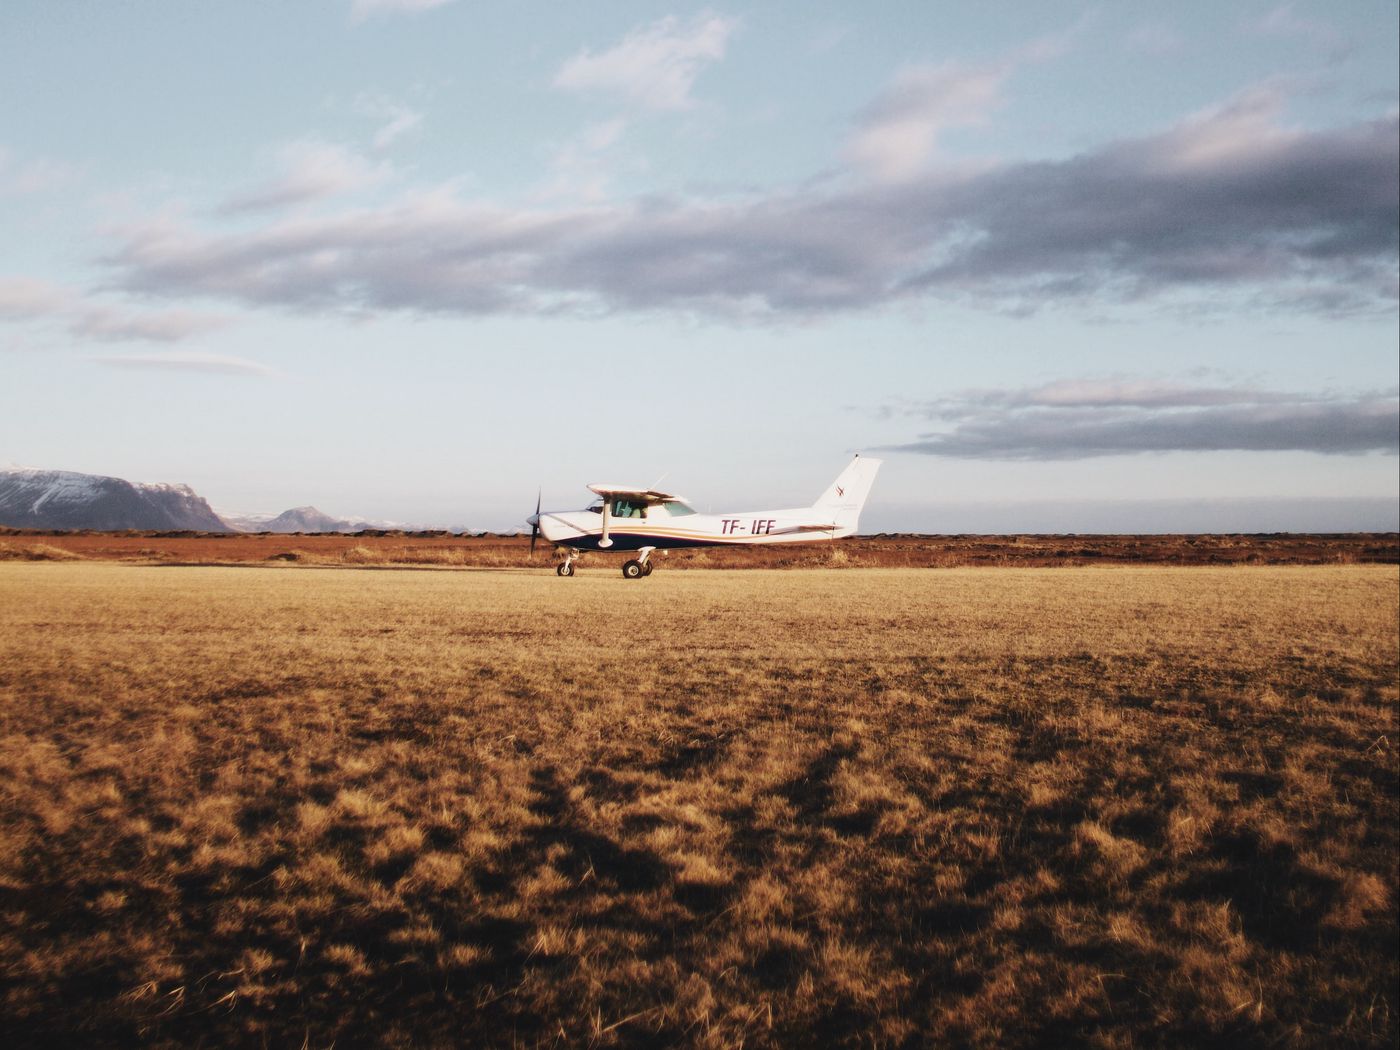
[{"x": 635, "y": 541}]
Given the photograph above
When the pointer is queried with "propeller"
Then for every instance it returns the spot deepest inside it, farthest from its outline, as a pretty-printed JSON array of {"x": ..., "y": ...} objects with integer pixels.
[{"x": 535, "y": 521}]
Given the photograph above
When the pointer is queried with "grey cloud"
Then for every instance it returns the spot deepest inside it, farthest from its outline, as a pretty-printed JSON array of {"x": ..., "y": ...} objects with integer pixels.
[
  {"x": 1139, "y": 517},
  {"x": 1095, "y": 393},
  {"x": 1226, "y": 204},
  {"x": 1191, "y": 209},
  {"x": 1022, "y": 425}
]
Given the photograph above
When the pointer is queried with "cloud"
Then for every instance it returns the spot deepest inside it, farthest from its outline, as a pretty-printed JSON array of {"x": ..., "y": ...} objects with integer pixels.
[
  {"x": 312, "y": 170},
  {"x": 396, "y": 120},
  {"x": 113, "y": 325},
  {"x": 23, "y": 298},
  {"x": 582, "y": 163},
  {"x": 1157, "y": 39},
  {"x": 31, "y": 299},
  {"x": 1284, "y": 21},
  {"x": 1227, "y": 199},
  {"x": 1080, "y": 419},
  {"x": 218, "y": 364},
  {"x": 1138, "y": 516},
  {"x": 361, "y": 10},
  {"x": 1229, "y": 205},
  {"x": 654, "y": 66},
  {"x": 897, "y": 134},
  {"x": 36, "y": 175},
  {"x": 400, "y": 121}
]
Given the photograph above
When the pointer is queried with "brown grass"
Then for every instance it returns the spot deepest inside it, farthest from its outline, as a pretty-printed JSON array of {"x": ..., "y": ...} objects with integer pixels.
[
  {"x": 36, "y": 552},
  {"x": 1111, "y": 807},
  {"x": 444, "y": 550}
]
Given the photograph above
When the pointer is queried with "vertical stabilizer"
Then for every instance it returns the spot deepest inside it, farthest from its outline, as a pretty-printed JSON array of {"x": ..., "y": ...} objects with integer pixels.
[{"x": 845, "y": 497}]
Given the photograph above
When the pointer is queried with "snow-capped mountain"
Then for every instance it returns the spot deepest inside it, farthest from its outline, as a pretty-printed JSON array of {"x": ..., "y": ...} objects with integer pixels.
[
  {"x": 63, "y": 499},
  {"x": 303, "y": 519}
]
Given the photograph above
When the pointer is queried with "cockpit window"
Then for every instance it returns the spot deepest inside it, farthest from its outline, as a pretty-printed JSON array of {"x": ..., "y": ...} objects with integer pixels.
[
  {"x": 626, "y": 508},
  {"x": 677, "y": 508},
  {"x": 596, "y": 506}
]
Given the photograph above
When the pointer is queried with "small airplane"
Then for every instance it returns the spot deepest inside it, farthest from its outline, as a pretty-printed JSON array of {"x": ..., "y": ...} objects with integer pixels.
[{"x": 629, "y": 519}]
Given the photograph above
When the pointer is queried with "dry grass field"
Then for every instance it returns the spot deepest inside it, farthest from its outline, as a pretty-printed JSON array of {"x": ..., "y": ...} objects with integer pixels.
[{"x": 1117, "y": 807}]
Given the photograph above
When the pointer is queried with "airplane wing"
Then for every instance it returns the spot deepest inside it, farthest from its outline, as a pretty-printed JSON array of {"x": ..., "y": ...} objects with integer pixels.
[{"x": 642, "y": 493}]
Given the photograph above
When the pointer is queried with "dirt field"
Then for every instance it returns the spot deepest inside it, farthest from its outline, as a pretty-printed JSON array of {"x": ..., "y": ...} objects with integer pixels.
[{"x": 1118, "y": 806}]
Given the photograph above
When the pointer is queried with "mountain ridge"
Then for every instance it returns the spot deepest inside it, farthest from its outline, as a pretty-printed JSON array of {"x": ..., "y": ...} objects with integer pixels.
[
  {"x": 303, "y": 519},
  {"x": 35, "y": 498}
]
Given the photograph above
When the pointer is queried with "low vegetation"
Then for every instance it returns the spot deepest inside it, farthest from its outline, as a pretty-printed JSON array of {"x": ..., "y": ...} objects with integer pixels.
[
  {"x": 1117, "y": 807},
  {"x": 445, "y": 550},
  {"x": 36, "y": 552}
]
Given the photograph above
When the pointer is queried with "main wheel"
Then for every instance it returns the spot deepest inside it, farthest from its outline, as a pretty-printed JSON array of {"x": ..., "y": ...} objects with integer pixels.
[
  {"x": 632, "y": 569},
  {"x": 646, "y": 569},
  {"x": 565, "y": 569}
]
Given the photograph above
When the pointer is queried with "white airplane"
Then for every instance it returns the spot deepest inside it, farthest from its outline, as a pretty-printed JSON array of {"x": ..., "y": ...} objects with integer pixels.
[{"x": 629, "y": 519}]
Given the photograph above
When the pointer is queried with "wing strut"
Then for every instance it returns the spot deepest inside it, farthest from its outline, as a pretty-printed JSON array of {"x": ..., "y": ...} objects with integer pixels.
[{"x": 604, "y": 542}]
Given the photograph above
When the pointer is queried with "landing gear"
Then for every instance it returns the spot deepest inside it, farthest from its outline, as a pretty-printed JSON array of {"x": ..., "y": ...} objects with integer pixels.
[
  {"x": 566, "y": 568},
  {"x": 638, "y": 567}
]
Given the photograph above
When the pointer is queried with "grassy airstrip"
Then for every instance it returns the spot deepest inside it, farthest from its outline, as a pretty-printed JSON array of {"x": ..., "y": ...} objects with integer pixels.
[{"x": 993, "y": 807}]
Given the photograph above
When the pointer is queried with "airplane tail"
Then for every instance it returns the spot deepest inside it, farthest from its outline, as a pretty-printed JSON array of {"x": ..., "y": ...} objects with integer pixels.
[{"x": 843, "y": 500}]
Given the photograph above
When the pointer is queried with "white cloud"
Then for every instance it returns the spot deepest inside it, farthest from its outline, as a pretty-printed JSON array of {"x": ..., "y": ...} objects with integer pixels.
[
  {"x": 218, "y": 364},
  {"x": 35, "y": 175},
  {"x": 115, "y": 325},
  {"x": 22, "y": 298},
  {"x": 898, "y": 134},
  {"x": 395, "y": 119},
  {"x": 582, "y": 171},
  {"x": 654, "y": 66},
  {"x": 1284, "y": 21},
  {"x": 1157, "y": 39},
  {"x": 1239, "y": 131},
  {"x": 312, "y": 170},
  {"x": 31, "y": 299},
  {"x": 361, "y": 10},
  {"x": 401, "y": 120}
]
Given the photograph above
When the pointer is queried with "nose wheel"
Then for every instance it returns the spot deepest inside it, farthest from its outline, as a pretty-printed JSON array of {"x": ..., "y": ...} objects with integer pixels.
[{"x": 566, "y": 568}]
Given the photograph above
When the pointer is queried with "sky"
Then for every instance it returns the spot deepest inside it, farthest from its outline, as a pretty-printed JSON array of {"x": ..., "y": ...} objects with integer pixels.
[{"x": 1065, "y": 267}]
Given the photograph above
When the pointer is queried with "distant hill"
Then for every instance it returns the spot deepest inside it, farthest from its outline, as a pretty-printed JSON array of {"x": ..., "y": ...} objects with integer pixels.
[
  {"x": 63, "y": 499},
  {"x": 302, "y": 519}
]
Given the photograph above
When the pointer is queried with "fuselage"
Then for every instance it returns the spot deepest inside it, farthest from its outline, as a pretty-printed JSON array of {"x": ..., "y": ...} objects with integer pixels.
[{"x": 674, "y": 525}]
